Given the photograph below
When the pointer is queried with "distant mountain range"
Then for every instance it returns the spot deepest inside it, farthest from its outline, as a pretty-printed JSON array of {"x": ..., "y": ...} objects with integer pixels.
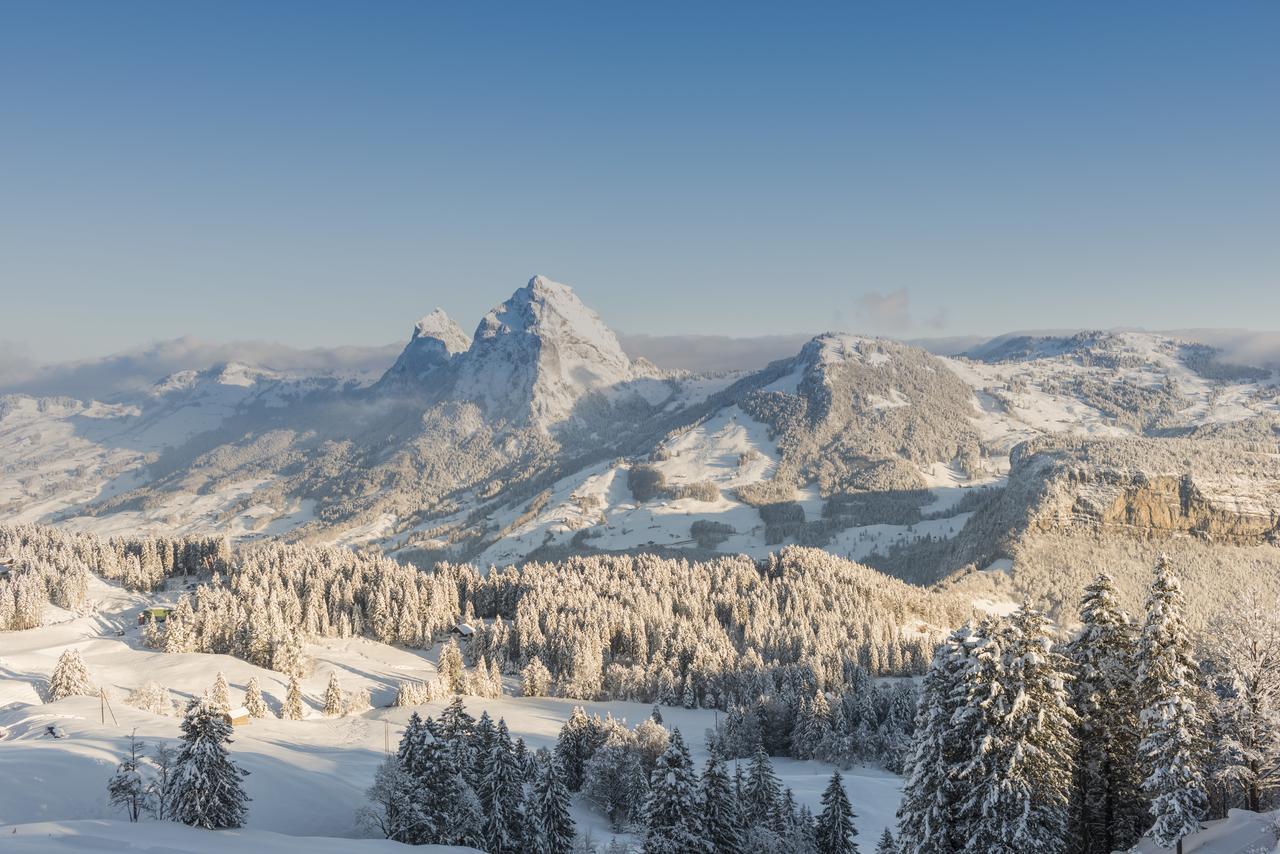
[{"x": 539, "y": 436}]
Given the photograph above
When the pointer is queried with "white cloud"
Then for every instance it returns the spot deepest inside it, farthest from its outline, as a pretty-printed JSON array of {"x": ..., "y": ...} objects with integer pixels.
[{"x": 130, "y": 370}]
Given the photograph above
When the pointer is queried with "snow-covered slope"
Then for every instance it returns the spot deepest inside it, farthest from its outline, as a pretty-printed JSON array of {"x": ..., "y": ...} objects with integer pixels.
[
  {"x": 122, "y": 837},
  {"x": 306, "y": 777}
]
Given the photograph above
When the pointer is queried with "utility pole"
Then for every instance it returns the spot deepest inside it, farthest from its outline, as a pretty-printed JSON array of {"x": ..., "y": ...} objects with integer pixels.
[{"x": 104, "y": 706}]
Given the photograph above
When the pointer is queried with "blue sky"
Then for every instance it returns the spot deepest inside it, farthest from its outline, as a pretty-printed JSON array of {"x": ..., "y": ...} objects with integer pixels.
[{"x": 323, "y": 173}]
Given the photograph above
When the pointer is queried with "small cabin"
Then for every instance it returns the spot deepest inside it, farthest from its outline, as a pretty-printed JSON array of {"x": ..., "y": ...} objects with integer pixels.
[
  {"x": 462, "y": 630},
  {"x": 238, "y": 717},
  {"x": 157, "y": 614}
]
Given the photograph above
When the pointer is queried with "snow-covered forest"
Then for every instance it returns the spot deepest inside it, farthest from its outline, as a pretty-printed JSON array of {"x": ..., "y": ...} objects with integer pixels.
[{"x": 1012, "y": 733}]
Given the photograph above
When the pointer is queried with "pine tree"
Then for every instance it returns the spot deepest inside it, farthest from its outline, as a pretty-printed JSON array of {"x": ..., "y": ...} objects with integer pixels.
[
  {"x": 501, "y": 796},
  {"x": 927, "y": 815},
  {"x": 450, "y": 666},
  {"x": 126, "y": 788},
  {"x": 466, "y": 815},
  {"x": 293, "y": 709},
  {"x": 482, "y": 741},
  {"x": 1168, "y": 690},
  {"x": 835, "y": 822},
  {"x": 220, "y": 696},
  {"x": 179, "y": 628},
  {"x": 762, "y": 793},
  {"x": 573, "y": 747},
  {"x": 535, "y": 679},
  {"x": 1021, "y": 764},
  {"x": 417, "y": 756},
  {"x": 719, "y": 808},
  {"x": 614, "y": 779},
  {"x": 1108, "y": 805},
  {"x": 333, "y": 698},
  {"x": 886, "y": 845},
  {"x": 1246, "y": 652},
  {"x": 671, "y": 811},
  {"x": 253, "y": 702},
  {"x": 551, "y": 827},
  {"x": 206, "y": 787},
  {"x": 70, "y": 677}
]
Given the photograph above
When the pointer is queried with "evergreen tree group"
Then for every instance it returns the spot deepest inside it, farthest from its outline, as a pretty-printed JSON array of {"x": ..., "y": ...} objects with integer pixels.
[{"x": 1022, "y": 744}]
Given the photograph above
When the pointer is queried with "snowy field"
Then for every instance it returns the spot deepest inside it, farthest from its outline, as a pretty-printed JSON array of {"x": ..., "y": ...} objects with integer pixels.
[
  {"x": 121, "y": 837},
  {"x": 307, "y": 778}
]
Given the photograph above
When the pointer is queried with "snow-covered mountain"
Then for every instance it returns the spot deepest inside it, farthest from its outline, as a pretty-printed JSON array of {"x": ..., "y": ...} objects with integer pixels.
[
  {"x": 538, "y": 354},
  {"x": 540, "y": 436},
  {"x": 436, "y": 340}
]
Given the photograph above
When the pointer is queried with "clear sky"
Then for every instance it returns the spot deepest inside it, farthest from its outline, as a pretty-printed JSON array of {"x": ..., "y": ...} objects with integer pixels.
[{"x": 323, "y": 173}]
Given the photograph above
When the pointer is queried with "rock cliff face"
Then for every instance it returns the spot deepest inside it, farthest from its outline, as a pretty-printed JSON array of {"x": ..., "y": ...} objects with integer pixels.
[{"x": 1222, "y": 492}]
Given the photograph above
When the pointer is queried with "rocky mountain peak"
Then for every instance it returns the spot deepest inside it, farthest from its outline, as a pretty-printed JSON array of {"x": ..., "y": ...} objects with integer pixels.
[
  {"x": 435, "y": 340},
  {"x": 540, "y": 351}
]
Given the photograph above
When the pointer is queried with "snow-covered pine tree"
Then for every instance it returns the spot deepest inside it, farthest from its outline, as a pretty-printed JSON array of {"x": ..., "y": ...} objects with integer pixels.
[
  {"x": 1171, "y": 721},
  {"x": 206, "y": 787},
  {"x": 573, "y": 747},
  {"x": 415, "y": 821},
  {"x": 550, "y": 826},
  {"x": 152, "y": 634},
  {"x": 450, "y": 666},
  {"x": 1021, "y": 764},
  {"x": 535, "y": 679},
  {"x": 1108, "y": 808},
  {"x": 1246, "y": 652},
  {"x": 293, "y": 708},
  {"x": 671, "y": 811},
  {"x": 614, "y": 779},
  {"x": 835, "y": 830},
  {"x": 813, "y": 727},
  {"x": 804, "y": 838},
  {"x": 179, "y": 628},
  {"x": 334, "y": 703},
  {"x": 886, "y": 844},
  {"x": 457, "y": 730},
  {"x": 501, "y": 796},
  {"x": 482, "y": 741},
  {"x": 761, "y": 794},
  {"x": 926, "y": 818},
  {"x": 651, "y": 741},
  {"x": 253, "y": 701},
  {"x": 721, "y": 825},
  {"x": 126, "y": 789},
  {"x": 70, "y": 677},
  {"x": 220, "y": 695},
  {"x": 465, "y": 824}
]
